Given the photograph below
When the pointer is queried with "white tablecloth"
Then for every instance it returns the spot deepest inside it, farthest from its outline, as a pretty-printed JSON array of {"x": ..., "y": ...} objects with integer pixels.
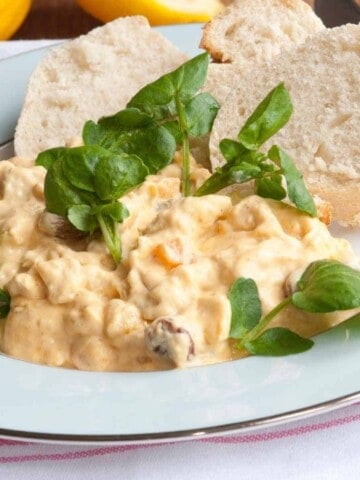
[{"x": 323, "y": 447}]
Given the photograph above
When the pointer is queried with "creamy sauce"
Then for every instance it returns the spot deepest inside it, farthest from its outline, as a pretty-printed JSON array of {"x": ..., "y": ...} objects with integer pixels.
[{"x": 166, "y": 304}]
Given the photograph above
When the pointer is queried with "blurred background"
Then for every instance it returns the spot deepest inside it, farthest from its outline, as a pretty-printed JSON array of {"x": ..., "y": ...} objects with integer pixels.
[{"x": 37, "y": 19}]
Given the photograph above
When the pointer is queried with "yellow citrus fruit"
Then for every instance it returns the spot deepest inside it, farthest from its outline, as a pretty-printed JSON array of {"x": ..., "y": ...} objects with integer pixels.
[
  {"x": 158, "y": 12},
  {"x": 12, "y": 14}
]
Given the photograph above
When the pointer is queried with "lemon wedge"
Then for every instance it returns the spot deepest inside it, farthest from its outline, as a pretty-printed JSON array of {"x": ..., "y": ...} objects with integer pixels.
[
  {"x": 12, "y": 14},
  {"x": 158, "y": 12}
]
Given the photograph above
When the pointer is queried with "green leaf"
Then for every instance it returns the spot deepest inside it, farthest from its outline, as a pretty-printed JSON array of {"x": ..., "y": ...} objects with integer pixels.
[
  {"x": 268, "y": 118},
  {"x": 166, "y": 100},
  {"x": 157, "y": 98},
  {"x": 244, "y": 172},
  {"x": 105, "y": 132},
  {"x": 5, "y": 302},
  {"x": 191, "y": 76},
  {"x": 48, "y": 157},
  {"x": 245, "y": 307},
  {"x": 270, "y": 187},
  {"x": 60, "y": 195},
  {"x": 135, "y": 134},
  {"x": 278, "y": 342},
  {"x": 82, "y": 217},
  {"x": 79, "y": 166},
  {"x": 231, "y": 150},
  {"x": 106, "y": 217},
  {"x": 267, "y": 167},
  {"x": 218, "y": 180},
  {"x": 154, "y": 145},
  {"x": 117, "y": 174},
  {"x": 174, "y": 129},
  {"x": 237, "y": 154},
  {"x": 327, "y": 286},
  {"x": 126, "y": 119},
  {"x": 296, "y": 187},
  {"x": 115, "y": 210},
  {"x": 200, "y": 113},
  {"x": 243, "y": 168}
]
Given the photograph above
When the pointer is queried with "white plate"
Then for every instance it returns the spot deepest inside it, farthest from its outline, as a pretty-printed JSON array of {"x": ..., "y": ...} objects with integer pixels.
[{"x": 63, "y": 405}]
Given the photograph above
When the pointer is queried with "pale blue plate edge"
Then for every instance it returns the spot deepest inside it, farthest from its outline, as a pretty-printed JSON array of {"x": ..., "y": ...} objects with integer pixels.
[{"x": 49, "y": 403}]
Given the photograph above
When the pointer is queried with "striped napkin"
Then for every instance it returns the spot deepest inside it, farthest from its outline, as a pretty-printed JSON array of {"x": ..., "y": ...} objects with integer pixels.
[{"x": 324, "y": 447}]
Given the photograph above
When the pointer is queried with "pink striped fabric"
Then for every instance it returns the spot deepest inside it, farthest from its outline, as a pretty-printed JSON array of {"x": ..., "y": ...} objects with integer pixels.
[{"x": 335, "y": 420}]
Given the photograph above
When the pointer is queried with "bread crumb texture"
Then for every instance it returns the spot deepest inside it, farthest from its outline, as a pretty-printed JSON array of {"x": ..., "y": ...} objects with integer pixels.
[
  {"x": 92, "y": 76},
  {"x": 249, "y": 33},
  {"x": 258, "y": 31}
]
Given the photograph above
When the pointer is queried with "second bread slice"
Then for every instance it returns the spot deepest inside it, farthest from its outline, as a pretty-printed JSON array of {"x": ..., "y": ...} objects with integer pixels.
[
  {"x": 323, "y": 133},
  {"x": 252, "y": 31}
]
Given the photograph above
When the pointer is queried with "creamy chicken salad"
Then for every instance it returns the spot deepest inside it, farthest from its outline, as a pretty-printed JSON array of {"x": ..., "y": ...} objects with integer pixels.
[
  {"x": 180, "y": 272},
  {"x": 166, "y": 304}
]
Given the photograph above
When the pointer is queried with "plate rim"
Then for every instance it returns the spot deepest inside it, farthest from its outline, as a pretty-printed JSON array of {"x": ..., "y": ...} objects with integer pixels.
[
  {"x": 185, "y": 435},
  {"x": 177, "y": 435}
]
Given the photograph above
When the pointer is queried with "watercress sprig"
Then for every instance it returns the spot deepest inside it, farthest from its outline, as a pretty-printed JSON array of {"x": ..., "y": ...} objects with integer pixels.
[
  {"x": 174, "y": 102},
  {"x": 325, "y": 286},
  {"x": 83, "y": 184},
  {"x": 133, "y": 132},
  {"x": 244, "y": 161},
  {"x": 165, "y": 112}
]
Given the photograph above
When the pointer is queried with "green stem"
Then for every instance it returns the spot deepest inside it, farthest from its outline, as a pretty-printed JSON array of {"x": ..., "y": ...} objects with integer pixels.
[
  {"x": 185, "y": 184},
  {"x": 255, "y": 332},
  {"x": 111, "y": 237}
]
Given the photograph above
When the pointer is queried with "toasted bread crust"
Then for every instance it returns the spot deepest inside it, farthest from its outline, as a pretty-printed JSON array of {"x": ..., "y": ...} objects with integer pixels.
[
  {"x": 207, "y": 44},
  {"x": 324, "y": 210}
]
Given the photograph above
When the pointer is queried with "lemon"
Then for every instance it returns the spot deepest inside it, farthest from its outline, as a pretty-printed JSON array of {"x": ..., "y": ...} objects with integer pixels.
[
  {"x": 158, "y": 12},
  {"x": 12, "y": 14}
]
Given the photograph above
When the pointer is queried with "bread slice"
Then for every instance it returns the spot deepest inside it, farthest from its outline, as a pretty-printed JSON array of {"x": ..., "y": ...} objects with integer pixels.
[
  {"x": 250, "y": 32},
  {"x": 323, "y": 133},
  {"x": 92, "y": 76},
  {"x": 220, "y": 79}
]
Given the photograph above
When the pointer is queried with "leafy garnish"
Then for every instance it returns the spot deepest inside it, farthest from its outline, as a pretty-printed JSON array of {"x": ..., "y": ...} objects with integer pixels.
[
  {"x": 267, "y": 119},
  {"x": 244, "y": 161},
  {"x": 135, "y": 133},
  {"x": 83, "y": 184},
  {"x": 245, "y": 306},
  {"x": 173, "y": 100},
  {"x": 296, "y": 189},
  {"x": 325, "y": 286},
  {"x": 278, "y": 342},
  {"x": 5, "y": 301}
]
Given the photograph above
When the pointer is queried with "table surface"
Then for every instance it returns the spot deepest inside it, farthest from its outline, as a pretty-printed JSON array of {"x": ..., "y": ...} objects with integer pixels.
[
  {"x": 58, "y": 19},
  {"x": 55, "y": 19}
]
